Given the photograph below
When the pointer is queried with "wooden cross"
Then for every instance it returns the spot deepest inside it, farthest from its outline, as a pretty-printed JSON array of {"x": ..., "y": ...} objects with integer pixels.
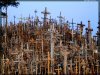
[
  {"x": 72, "y": 24},
  {"x": 72, "y": 28},
  {"x": 81, "y": 28},
  {"x": 65, "y": 54},
  {"x": 58, "y": 70},
  {"x": 45, "y": 12},
  {"x": 60, "y": 19},
  {"x": 83, "y": 64}
]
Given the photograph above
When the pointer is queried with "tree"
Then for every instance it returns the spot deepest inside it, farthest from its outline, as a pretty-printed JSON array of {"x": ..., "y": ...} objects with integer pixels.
[{"x": 5, "y": 4}]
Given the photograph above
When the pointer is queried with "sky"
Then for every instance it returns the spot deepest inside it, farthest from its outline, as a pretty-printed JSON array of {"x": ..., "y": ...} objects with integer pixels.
[{"x": 78, "y": 10}]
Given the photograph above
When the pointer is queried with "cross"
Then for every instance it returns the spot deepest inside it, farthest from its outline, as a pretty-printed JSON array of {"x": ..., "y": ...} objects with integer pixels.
[
  {"x": 83, "y": 64},
  {"x": 59, "y": 69},
  {"x": 89, "y": 27},
  {"x": 14, "y": 20},
  {"x": 72, "y": 24},
  {"x": 72, "y": 28},
  {"x": 60, "y": 18},
  {"x": 81, "y": 26},
  {"x": 68, "y": 24},
  {"x": 45, "y": 12},
  {"x": 77, "y": 28},
  {"x": 65, "y": 54},
  {"x": 50, "y": 19},
  {"x": 88, "y": 30},
  {"x": 35, "y": 12}
]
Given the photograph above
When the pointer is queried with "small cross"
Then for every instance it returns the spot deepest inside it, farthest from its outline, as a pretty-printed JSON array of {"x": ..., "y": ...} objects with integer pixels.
[
  {"x": 72, "y": 24},
  {"x": 58, "y": 70}
]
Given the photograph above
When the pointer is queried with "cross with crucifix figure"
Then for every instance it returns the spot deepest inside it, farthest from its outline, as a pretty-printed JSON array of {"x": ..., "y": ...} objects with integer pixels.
[{"x": 81, "y": 28}]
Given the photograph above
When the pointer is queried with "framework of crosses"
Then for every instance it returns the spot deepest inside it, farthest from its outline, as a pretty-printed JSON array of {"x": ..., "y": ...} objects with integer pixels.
[{"x": 48, "y": 47}]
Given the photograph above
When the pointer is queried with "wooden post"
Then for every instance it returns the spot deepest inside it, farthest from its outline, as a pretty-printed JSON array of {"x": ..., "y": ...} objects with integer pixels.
[
  {"x": 48, "y": 63},
  {"x": 76, "y": 68},
  {"x": 3, "y": 65},
  {"x": 71, "y": 69}
]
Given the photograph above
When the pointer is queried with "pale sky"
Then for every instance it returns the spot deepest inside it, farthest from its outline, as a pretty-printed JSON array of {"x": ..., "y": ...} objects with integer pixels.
[{"x": 79, "y": 11}]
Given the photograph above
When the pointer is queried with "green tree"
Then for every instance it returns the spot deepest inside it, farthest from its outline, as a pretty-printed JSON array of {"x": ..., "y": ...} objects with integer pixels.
[{"x": 5, "y": 4}]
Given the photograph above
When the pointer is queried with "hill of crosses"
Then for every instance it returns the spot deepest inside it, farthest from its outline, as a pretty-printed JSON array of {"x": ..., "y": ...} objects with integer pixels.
[{"x": 49, "y": 47}]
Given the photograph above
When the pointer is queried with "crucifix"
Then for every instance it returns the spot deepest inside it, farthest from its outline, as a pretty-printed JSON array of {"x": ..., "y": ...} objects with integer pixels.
[
  {"x": 81, "y": 28},
  {"x": 58, "y": 70}
]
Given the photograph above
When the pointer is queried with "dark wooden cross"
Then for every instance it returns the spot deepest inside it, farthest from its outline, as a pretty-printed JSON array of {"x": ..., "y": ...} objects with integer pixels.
[
  {"x": 60, "y": 18},
  {"x": 81, "y": 26},
  {"x": 72, "y": 24},
  {"x": 45, "y": 12}
]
